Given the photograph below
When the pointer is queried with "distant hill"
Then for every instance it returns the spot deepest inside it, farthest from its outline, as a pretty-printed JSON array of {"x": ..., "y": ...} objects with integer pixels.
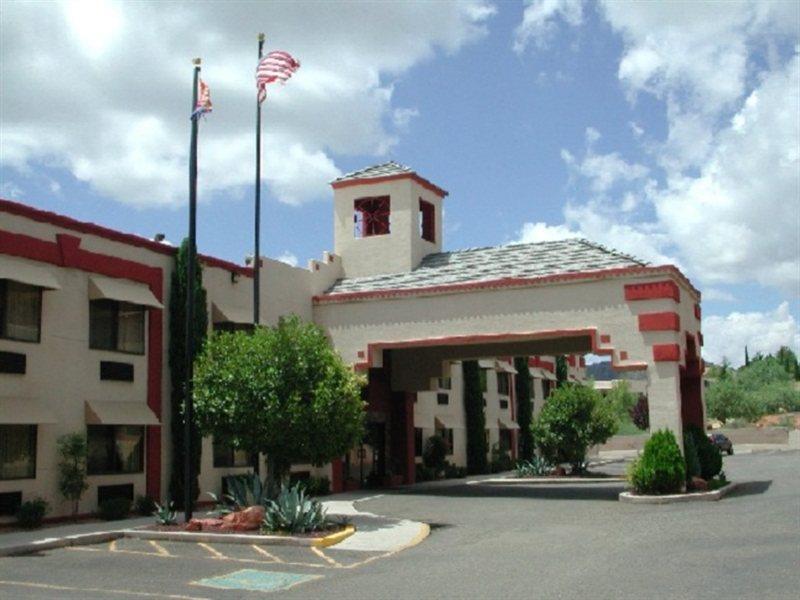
[{"x": 602, "y": 371}]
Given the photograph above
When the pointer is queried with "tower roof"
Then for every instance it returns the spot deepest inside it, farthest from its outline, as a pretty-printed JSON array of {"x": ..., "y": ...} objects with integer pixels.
[{"x": 385, "y": 172}]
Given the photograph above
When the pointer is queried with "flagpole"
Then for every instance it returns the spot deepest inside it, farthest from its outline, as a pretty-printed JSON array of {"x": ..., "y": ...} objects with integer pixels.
[
  {"x": 188, "y": 416},
  {"x": 257, "y": 256}
]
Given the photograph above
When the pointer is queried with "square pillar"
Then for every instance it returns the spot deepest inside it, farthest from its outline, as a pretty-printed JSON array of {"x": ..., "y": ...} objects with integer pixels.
[{"x": 664, "y": 398}]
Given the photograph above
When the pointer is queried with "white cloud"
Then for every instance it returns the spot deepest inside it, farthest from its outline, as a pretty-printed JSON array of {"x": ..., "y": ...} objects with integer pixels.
[
  {"x": 726, "y": 336},
  {"x": 116, "y": 114},
  {"x": 712, "y": 293},
  {"x": 542, "y": 232},
  {"x": 537, "y": 21},
  {"x": 402, "y": 117},
  {"x": 288, "y": 258}
]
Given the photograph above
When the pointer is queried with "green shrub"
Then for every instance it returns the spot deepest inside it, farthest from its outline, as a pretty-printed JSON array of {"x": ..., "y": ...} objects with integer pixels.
[
  {"x": 660, "y": 469},
  {"x": 690, "y": 456},
  {"x": 114, "y": 509},
  {"x": 294, "y": 512},
  {"x": 500, "y": 461},
  {"x": 144, "y": 505},
  {"x": 574, "y": 418},
  {"x": 165, "y": 515},
  {"x": 424, "y": 473},
  {"x": 243, "y": 490},
  {"x": 31, "y": 513},
  {"x": 707, "y": 453},
  {"x": 73, "y": 452},
  {"x": 434, "y": 453},
  {"x": 536, "y": 467},
  {"x": 317, "y": 486}
]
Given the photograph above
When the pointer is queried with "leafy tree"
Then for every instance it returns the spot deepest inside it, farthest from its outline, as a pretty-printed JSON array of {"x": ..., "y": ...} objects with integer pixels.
[
  {"x": 73, "y": 451},
  {"x": 622, "y": 399},
  {"x": 522, "y": 388},
  {"x": 475, "y": 418},
  {"x": 788, "y": 359},
  {"x": 574, "y": 418},
  {"x": 708, "y": 455},
  {"x": 562, "y": 370},
  {"x": 282, "y": 391},
  {"x": 177, "y": 368},
  {"x": 726, "y": 399},
  {"x": 640, "y": 414}
]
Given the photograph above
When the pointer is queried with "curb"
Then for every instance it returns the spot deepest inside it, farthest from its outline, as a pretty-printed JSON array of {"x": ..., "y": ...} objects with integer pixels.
[
  {"x": 82, "y": 539},
  {"x": 334, "y": 538},
  {"x": 675, "y": 498},
  {"x": 547, "y": 480}
]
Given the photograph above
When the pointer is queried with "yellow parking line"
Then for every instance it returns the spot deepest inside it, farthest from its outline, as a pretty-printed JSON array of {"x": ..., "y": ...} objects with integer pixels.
[
  {"x": 324, "y": 557},
  {"x": 112, "y": 546},
  {"x": 47, "y": 586},
  {"x": 159, "y": 548},
  {"x": 269, "y": 555},
  {"x": 216, "y": 553}
]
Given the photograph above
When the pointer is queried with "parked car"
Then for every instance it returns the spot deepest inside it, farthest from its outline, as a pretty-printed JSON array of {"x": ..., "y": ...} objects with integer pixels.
[{"x": 721, "y": 441}]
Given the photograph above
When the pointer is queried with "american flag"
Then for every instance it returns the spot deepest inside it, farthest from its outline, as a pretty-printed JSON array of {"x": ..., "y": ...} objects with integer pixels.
[
  {"x": 203, "y": 105},
  {"x": 275, "y": 66}
]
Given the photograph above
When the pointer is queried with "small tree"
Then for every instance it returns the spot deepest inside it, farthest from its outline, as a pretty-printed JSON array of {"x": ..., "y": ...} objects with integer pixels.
[
  {"x": 640, "y": 414},
  {"x": 562, "y": 370},
  {"x": 475, "y": 418},
  {"x": 282, "y": 391},
  {"x": 661, "y": 468},
  {"x": 435, "y": 453},
  {"x": 522, "y": 387},
  {"x": 622, "y": 399},
  {"x": 574, "y": 418},
  {"x": 72, "y": 450}
]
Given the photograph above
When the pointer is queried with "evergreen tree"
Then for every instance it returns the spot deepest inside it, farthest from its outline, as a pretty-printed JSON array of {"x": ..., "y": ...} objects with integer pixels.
[
  {"x": 746, "y": 357},
  {"x": 522, "y": 388},
  {"x": 562, "y": 370},
  {"x": 177, "y": 367},
  {"x": 788, "y": 359},
  {"x": 475, "y": 417}
]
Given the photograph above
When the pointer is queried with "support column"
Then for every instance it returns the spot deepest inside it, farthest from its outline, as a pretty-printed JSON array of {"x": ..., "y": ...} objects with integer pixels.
[{"x": 664, "y": 398}]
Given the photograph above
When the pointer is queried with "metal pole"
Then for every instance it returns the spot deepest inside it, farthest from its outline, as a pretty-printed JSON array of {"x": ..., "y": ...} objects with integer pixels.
[
  {"x": 188, "y": 415},
  {"x": 257, "y": 256}
]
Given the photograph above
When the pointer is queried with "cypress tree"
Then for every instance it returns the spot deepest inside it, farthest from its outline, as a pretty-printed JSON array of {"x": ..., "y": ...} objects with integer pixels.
[
  {"x": 562, "y": 370},
  {"x": 475, "y": 417},
  {"x": 177, "y": 367},
  {"x": 746, "y": 357},
  {"x": 522, "y": 388}
]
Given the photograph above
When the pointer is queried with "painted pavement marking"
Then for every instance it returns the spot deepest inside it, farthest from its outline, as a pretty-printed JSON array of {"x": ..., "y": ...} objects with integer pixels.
[
  {"x": 256, "y": 581},
  {"x": 214, "y": 552},
  {"x": 325, "y": 557},
  {"x": 65, "y": 588},
  {"x": 160, "y": 550},
  {"x": 269, "y": 555}
]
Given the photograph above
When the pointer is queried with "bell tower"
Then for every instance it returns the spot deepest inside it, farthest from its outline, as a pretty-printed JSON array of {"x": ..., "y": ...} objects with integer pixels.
[{"x": 386, "y": 219}]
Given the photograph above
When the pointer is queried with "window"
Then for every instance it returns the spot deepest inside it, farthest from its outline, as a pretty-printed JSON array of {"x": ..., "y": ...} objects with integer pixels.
[
  {"x": 417, "y": 441},
  {"x": 484, "y": 377},
  {"x": 17, "y": 451},
  {"x": 505, "y": 440},
  {"x": 503, "y": 384},
  {"x": 371, "y": 216},
  {"x": 427, "y": 221},
  {"x": 115, "y": 449},
  {"x": 443, "y": 398},
  {"x": 226, "y": 455},
  {"x": 445, "y": 383},
  {"x": 447, "y": 436},
  {"x": 503, "y": 403},
  {"x": 20, "y": 311},
  {"x": 117, "y": 326}
]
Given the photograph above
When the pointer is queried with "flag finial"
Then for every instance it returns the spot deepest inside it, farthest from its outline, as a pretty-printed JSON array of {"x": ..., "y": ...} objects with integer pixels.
[
  {"x": 261, "y": 37},
  {"x": 197, "y": 61}
]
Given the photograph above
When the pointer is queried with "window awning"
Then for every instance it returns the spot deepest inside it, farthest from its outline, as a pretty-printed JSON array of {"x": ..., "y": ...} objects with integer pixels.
[
  {"x": 537, "y": 373},
  {"x": 505, "y": 367},
  {"x": 110, "y": 412},
  {"x": 25, "y": 272},
  {"x": 549, "y": 375},
  {"x": 107, "y": 288},
  {"x": 447, "y": 422},
  {"x": 224, "y": 313},
  {"x": 507, "y": 423},
  {"x": 24, "y": 411},
  {"x": 486, "y": 364},
  {"x": 496, "y": 365}
]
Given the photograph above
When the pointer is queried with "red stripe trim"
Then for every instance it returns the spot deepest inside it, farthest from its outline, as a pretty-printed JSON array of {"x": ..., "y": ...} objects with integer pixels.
[
  {"x": 369, "y": 180},
  {"x": 666, "y": 352},
  {"x": 506, "y": 282},
  {"x": 660, "y": 321},
  {"x": 653, "y": 291}
]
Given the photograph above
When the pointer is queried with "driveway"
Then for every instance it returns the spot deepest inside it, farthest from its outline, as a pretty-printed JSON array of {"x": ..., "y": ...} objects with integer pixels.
[{"x": 486, "y": 542}]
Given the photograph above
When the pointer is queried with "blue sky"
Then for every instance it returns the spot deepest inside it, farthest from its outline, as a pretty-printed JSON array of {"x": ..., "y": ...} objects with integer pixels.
[{"x": 644, "y": 127}]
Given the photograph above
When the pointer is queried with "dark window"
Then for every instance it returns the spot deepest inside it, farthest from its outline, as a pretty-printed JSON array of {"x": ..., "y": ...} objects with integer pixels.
[
  {"x": 226, "y": 455},
  {"x": 9, "y": 503},
  {"x": 117, "y": 326},
  {"x": 372, "y": 216},
  {"x": 112, "y": 492},
  {"x": 484, "y": 377},
  {"x": 503, "y": 384},
  {"x": 427, "y": 221},
  {"x": 503, "y": 403},
  {"x": 447, "y": 435},
  {"x": 12, "y": 362},
  {"x": 115, "y": 449},
  {"x": 230, "y": 326},
  {"x": 443, "y": 398},
  {"x": 505, "y": 440},
  {"x": 417, "y": 441},
  {"x": 116, "y": 371},
  {"x": 17, "y": 451},
  {"x": 20, "y": 311},
  {"x": 445, "y": 383}
]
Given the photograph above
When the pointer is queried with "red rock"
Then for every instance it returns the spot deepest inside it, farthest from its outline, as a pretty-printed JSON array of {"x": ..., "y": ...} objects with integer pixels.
[{"x": 699, "y": 484}]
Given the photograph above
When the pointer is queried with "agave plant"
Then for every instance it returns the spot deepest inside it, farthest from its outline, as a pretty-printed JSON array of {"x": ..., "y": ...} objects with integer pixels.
[
  {"x": 294, "y": 512},
  {"x": 536, "y": 467},
  {"x": 243, "y": 491},
  {"x": 166, "y": 514}
]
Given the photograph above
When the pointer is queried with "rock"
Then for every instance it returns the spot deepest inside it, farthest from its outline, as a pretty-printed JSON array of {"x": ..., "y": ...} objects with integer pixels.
[
  {"x": 699, "y": 484},
  {"x": 248, "y": 519}
]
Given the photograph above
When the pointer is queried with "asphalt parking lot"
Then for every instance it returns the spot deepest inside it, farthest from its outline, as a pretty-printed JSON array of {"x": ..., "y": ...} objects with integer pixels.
[{"x": 486, "y": 542}]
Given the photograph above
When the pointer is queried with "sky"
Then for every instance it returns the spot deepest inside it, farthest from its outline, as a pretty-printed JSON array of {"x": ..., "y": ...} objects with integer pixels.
[{"x": 670, "y": 131}]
